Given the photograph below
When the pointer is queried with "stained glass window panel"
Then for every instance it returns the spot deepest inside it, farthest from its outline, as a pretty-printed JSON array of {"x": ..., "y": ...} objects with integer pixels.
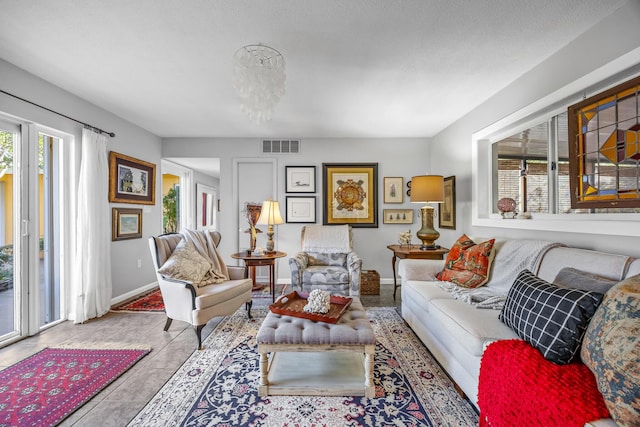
[{"x": 606, "y": 151}]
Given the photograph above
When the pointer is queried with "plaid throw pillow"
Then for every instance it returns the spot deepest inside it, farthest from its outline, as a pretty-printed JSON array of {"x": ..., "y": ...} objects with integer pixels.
[{"x": 550, "y": 318}]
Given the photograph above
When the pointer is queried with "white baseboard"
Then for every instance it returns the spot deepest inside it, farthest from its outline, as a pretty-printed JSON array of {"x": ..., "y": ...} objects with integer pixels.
[{"x": 134, "y": 293}]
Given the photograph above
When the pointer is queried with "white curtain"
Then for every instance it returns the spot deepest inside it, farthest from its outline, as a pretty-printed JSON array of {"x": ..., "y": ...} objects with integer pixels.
[{"x": 91, "y": 287}]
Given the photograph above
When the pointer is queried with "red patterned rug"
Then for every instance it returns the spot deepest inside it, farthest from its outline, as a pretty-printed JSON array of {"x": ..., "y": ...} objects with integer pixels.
[
  {"x": 45, "y": 388},
  {"x": 151, "y": 301}
]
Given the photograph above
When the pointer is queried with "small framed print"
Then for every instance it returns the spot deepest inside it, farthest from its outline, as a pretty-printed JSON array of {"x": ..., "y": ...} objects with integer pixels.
[
  {"x": 301, "y": 209},
  {"x": 447, "y": 210},
  {"x": 393, "y": 189},
  {"x": 300, "y": 179},
  {"x": 397, "y": 216},
  {"x": 126, "y": 224}
]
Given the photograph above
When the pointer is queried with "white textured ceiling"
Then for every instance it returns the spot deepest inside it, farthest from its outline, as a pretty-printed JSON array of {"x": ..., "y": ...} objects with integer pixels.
[{"x": 355, "y": 68}]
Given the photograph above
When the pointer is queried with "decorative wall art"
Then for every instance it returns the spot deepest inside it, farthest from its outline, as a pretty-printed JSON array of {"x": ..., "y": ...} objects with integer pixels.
[
  {"x": 131, "y": 180},
  {"x": 126, "y": 223},
  {"x": 301, "y": 209},
  {"x": 447, "y": 209},
  {"x": 300, "y": 179},
  {"x": 350, "y": 194},
  {"x": 393, "y": 189},
  {"x": 205, "y": 206},
  {"x": 397, "y": 216}
]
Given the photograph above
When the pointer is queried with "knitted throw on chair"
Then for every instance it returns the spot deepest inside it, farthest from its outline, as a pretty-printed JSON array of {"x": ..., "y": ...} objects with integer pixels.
[{"x": 517, "y": 383}]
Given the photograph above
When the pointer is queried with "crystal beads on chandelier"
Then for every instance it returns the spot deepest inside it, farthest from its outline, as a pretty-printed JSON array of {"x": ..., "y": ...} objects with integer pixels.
[{"x": 258, "y": 76}]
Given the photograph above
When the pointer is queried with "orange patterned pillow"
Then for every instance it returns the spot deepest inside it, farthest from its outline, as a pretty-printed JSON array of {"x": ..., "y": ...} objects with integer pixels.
[
  {"x": 455, "y": 253},
  {"x": 469, "y": 264}
]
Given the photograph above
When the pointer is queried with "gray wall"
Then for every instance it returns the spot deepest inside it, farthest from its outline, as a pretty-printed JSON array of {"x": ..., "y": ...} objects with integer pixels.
[
  {"x": 403, "y": 157},
  {"x": 130, "y": 140},
  {"x": 451, "y": 149}
]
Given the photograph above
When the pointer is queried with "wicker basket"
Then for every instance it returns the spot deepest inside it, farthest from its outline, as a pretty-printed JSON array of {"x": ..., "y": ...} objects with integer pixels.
[{"x": 369, "y": 282}]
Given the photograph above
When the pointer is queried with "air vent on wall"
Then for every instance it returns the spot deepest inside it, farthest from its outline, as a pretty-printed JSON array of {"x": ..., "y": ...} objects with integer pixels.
[{"x": 281, "y": 146}]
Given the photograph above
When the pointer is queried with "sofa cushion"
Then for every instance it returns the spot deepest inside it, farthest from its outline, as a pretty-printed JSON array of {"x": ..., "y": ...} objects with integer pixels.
[
  {"x": 185, "y": 263},
  {"x": 209, "y": 296},
  {"x": 469, "y": 264},
  {"x": 332, "y": 259},
  {"x": 325, "y": 275},
  {"x": 552, "y": 319},
  {"x": 472, "y": 328},
  {"x": 573, "y": 278},
  {"x": 611, "y": 349}
]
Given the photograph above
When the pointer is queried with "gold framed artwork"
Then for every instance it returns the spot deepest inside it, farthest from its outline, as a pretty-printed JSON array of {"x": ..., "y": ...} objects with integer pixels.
[
  {"x": 350, "y": 194},
  {"x": 447, "y": 209},
  {"x": 131, "y": 180},
  {"x": 393, "y": 189},
  {"x": 397, "y": 216},
  {"x": 126, "y": 223}
]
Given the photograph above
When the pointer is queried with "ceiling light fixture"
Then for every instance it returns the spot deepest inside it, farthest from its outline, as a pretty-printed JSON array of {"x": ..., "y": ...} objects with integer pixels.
[{"x": 258, "y": 76}]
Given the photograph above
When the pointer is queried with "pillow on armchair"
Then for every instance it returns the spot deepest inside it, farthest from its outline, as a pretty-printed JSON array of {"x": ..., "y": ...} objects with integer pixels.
[
  {"x": 185, "y": 263},
  {"x": 468, "y": 264}
]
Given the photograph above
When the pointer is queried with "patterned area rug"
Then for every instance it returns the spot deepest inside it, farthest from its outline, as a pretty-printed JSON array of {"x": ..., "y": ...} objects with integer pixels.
[
  {"x": 264, "y": 292},
  {"x": 218, "y": 386},
  {"x": 149, "y": 302},
  {"x": 45, "y": 388}
]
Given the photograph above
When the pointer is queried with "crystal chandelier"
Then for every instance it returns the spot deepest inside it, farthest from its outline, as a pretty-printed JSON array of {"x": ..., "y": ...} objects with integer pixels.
[{"x": 258, "y": 76}]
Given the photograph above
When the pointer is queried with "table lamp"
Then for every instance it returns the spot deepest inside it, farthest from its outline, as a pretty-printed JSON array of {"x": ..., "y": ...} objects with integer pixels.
[
  {"x": 270, "y": 215},
  {"x": 427, "y": 189}
]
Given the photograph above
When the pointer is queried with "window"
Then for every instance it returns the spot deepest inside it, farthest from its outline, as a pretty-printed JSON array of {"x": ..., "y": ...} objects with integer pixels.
[
  {"x": 605, "y": 158},
  {"x": 527, "y": 171},
  {"x": 511, "y": 155}
]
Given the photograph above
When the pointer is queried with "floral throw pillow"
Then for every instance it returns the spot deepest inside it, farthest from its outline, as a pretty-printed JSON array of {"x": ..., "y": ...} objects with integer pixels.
[
  {"x": 611, "y": 350},
  {"x": 468, "y": 264}
]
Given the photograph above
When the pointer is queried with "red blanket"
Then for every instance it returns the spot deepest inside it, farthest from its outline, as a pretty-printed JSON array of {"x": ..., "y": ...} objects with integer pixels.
[{"x": 519, "y": 387}]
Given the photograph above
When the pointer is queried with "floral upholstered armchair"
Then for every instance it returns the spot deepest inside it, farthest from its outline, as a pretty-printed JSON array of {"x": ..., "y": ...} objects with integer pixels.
[{"x": 327, "y": 261}]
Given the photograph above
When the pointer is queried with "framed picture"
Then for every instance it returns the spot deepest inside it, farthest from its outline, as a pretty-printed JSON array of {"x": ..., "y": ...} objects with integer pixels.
[
  {"x": 131, "y": 180},
  {"x": 447, "y": 209},
  {"x": 350, "y": 194},
  {"x": 300, "y": 179},
  {"x": 126, "y": 223},
  {"x": 397, "y": 216},
  {"x": 393, "y": 189},
  {"x": 301, "y": 209},
  {"x": 205, "y": 206}
]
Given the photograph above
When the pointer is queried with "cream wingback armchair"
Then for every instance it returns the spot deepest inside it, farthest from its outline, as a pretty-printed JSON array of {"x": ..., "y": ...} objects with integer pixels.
[
  {"x": 196, "y": 286},
  {"x": 327, "y": 261}
]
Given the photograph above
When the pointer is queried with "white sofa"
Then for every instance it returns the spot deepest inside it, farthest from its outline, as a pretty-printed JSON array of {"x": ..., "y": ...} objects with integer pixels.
[{"x": 456, "y": 332}]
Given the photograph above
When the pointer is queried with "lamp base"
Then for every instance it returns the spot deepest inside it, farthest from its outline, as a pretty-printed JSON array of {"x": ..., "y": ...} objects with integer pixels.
[
  {"x": 429, "y": 247},
  {"x": 427, "y": 234},
  {"x": 270, "y": 243}
]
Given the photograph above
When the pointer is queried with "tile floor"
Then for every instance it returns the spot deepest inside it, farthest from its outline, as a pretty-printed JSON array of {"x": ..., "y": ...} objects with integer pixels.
[{"x": 117, "y": 404}]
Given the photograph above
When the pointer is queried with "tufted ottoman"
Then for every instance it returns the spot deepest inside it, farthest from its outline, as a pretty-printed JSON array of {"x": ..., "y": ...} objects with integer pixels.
[{"x": 317, "y": 358}]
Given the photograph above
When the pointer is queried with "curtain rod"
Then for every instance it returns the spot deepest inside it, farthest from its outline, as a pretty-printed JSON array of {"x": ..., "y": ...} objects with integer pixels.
[{"x": 111, "y": 134}]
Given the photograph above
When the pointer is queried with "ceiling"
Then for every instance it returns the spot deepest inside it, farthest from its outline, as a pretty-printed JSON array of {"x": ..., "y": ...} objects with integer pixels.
[{"x": 355, "y": 68}]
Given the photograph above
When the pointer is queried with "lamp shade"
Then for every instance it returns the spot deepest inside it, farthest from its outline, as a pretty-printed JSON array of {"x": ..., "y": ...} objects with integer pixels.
[
  {"x": 270, "y": 213},
  {"x": 427, "y": 189}
]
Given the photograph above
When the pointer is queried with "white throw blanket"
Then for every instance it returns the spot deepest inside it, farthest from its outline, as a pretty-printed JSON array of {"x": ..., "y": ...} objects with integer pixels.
[
  {"x": 513, "y": 257},
  {"x": 203, "y": 243},
  {"x": 326, "y": 239}
]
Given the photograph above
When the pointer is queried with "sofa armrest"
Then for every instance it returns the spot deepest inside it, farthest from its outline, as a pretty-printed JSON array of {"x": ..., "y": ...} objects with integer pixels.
[
  {"x": 419, "y": 269},
  {"x": 298, "y": 263},
  {"x": 354, "y": 266},
  {"x": 236, "y": 272}
]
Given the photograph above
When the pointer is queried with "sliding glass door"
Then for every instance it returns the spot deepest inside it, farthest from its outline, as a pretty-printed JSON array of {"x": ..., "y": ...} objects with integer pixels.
[{"x": 30, "y": 217}]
